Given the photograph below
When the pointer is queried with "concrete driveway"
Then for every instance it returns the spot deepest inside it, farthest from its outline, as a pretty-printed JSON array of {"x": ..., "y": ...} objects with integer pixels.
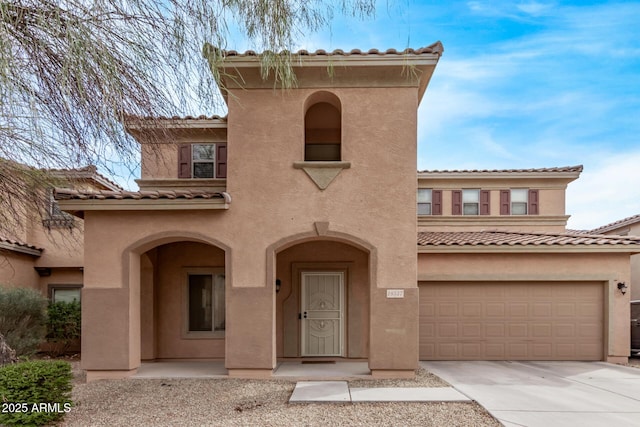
[{"x": 548, "y": 393}]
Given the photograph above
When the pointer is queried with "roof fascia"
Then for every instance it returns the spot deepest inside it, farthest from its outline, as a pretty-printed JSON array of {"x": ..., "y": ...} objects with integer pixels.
[
  {"x": 22, "y": 249},
  {"x": 493, "y": 249}
]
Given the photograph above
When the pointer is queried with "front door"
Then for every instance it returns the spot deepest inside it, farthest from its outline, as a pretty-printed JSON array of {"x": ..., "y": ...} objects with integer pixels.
[{"x": 322, "y": 313}]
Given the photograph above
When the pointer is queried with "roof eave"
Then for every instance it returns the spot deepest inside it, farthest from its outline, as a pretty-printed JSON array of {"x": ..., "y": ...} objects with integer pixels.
[
  {"x": 492, "y": 249},
  {"x": 21, "y": 249}
]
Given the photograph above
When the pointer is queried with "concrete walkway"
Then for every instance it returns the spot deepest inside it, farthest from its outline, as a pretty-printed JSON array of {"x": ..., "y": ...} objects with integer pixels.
[
  {"x": 547, "y": 394},
  {"x": 339, "y": 391}
]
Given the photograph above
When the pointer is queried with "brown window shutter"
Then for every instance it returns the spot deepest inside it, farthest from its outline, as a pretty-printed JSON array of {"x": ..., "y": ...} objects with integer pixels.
[
  {"x": 534, "y": 202},
  {"x": 436, "y": 202},
  {"x": 184, "y": 161},
  {"x": 221, "y": 160},
  {"x": 456, "y": 198},
  {"x": 484, "y": 202},
  {"x": 505, "y": 202}
]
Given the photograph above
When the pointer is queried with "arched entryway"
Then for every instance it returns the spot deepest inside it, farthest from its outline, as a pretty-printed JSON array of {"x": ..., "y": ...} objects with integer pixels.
[
  {"x": 182, "y": 301},
  {"x": 322, "y": 300}
]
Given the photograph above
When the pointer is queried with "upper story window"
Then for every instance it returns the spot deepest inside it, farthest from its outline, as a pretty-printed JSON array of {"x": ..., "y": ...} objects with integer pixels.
[
  {"x": 202, "y": 160},
  {"x": 323, "y": 128},
  {"x": 429, "y": 201},
  {"x": 470, "y": 202},
  {"x": 424, "y": 201},
  {"x": 519, "y": 201}
]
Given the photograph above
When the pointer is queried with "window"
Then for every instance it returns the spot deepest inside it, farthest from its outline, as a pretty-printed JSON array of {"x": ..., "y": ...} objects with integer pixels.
[
  {"x": 429, "y": 201},
  {"x": 205, "y": 304},
  {"x": 470, "y": 202},
  {"x": 203, "y": 161},
  {"x": 424, "y": 201},
  {"x": 323, "y": 129},
  {"x": 66, "y": 293},
  {"x": 519, "y": 201}
]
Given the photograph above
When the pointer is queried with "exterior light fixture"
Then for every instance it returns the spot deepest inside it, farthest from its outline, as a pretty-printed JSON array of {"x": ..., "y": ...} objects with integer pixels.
[
  {"x": 622, "y": 287},
  {"x": 278, "y": 284}
]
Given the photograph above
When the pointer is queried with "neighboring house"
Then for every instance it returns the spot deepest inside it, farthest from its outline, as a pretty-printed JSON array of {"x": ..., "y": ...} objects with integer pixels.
[
  {"x": 626, "y": 227},
  {"x": 288, "y": 230},
  {"x": 45, "y": 252}
]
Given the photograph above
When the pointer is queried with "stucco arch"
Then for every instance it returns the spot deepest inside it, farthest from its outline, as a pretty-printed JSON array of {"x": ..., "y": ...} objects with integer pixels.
[{"x": 321, "y": 235}]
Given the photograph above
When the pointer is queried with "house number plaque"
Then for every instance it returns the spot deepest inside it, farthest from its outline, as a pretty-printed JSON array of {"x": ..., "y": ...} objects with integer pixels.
[{"x": 395, "y": 293}]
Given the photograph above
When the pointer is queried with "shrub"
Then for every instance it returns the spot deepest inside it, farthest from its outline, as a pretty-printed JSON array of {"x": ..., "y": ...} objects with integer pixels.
[
  {"x": 63, "y": 325},
  {"x": 23, "y": 316},
  {"x": 35, "y": 392}
]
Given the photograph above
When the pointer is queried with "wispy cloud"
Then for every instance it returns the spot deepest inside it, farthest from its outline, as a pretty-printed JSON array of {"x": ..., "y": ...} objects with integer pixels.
[{"x": 608, "y": 190}]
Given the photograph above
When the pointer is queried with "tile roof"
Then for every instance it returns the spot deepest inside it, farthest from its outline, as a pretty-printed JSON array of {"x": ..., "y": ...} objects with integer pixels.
[
  {"x": 177, "y": 118},
  {"x": 512, "y": 238},
  {"x": 577, "y": 168},
  {"x": 87, "y": 172},
  {"x": 436, "y": 48},
  {"x": 617, "y": 224},
  {"x": 69, "y": 194},
  {"x": 13, "y": 244}
]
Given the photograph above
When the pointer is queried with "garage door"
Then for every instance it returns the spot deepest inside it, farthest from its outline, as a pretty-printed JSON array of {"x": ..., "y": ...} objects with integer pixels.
[{"x": 511, "y": 321}]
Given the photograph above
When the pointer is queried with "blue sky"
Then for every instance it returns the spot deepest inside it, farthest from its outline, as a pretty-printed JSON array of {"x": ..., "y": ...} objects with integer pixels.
[{"x": 523, "y": 84}]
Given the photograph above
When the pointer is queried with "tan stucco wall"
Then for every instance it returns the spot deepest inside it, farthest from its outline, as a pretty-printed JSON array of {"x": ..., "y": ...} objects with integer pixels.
[
  {"x": 170, "y": 296},
  {"x": 16, "y": 270},
  {"x": 608, "y": 268},
  {"x": 373, "y": 202},
  {"x": 550, "y": 218}
]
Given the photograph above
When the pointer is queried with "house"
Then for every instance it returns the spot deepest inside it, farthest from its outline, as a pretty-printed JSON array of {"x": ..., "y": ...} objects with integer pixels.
[
  {"x": 626, "y": 227},
  {"x": 45, "y": 251},
  {"x": 288, "y": 230}
]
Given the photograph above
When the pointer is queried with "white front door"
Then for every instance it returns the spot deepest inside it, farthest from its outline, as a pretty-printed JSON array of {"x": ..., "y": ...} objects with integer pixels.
[{"x": 322, "y": 313}]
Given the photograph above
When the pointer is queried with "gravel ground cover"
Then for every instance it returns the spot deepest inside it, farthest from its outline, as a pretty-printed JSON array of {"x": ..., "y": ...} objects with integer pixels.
[{"x": 236, "y": 402}]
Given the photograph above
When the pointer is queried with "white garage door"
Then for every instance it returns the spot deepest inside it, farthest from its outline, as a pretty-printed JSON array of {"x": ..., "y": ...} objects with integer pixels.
[{"x": 511, "y": 321}]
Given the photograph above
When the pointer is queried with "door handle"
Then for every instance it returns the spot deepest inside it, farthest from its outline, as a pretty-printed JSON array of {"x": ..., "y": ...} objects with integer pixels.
[{"x": 305, "y": 314}]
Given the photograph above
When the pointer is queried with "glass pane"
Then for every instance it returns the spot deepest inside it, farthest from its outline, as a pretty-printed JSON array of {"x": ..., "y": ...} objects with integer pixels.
[
  {"x": 66, "y": 295},
  {"x": 424, "y": 195},
  {"x": 203, "y": 170},
  {"x": 321, "y": 152},
  {"x": 203, "y": 151},
  {"x": 200, "y": 299},
  {"x": 518, "y": 208},
  {"x": 218, "y": 300},
  {"x": 470, "y": 209},
  {"x": 424, "y": 208},
  {"x": 519, "y": 195},
  {"x": 471, "y": 196}
]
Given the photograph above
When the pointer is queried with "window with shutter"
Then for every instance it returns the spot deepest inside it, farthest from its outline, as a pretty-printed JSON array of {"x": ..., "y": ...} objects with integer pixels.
[{"x": 202, "y": 160}]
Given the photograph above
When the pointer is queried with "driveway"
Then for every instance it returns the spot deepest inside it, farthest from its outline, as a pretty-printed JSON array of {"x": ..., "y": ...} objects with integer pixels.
[{"x": 548, "y": 394}]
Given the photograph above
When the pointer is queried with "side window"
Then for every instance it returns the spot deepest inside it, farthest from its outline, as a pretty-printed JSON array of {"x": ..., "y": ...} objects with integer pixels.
[
  {"x": 205, "y": 304},
  {"x": 202, "y": 160},
  {"x": 65, "y": 293},
  {"x": 323, "y": 130}
]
